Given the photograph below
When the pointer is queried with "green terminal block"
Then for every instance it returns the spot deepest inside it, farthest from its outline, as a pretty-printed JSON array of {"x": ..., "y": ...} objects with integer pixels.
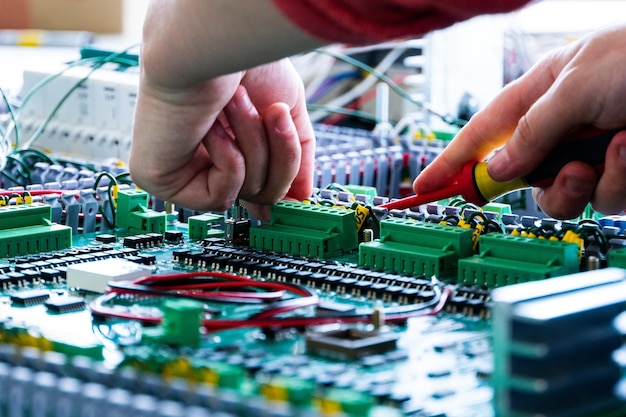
[
  {"x": 205, "y": 225},
  {"x": 307, "y": 230},
  {"x": 180, "y": 326},
  {"x": 416, "y": 248},
  {"x": 132, "y": 213},
  {"x": 498, "y": 208},
  {"x": 27, "y": 229},
  {"x": 352, "y": 403},
  {"x": 617, "y": 258},
  {"x": 506, "y": 260},
  {"x": 297, "y": 392},
  {"x": 371, "y": 192}
]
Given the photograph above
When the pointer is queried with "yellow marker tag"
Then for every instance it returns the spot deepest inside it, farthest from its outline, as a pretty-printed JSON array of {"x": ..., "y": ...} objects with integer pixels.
[
  {"x": 361, "y": 213},
  {"x": 30, "y": 38},
  {"x": 478, "y": 230},
  {"x": 29, "y": 199}
]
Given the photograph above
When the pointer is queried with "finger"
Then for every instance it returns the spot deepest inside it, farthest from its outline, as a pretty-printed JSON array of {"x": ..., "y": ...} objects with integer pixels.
[
  {"x": 572, "y": 189},
  {"x": 610, "y": 193},
  {"x": 247, "y": 127},
  {"x": 491, "y": 127},
  {"x": 302, "y": 185},
  {"x": 215, "y": 185},
  {"x": 558, "y": 112},
  {"x": 284, "y": 154}
]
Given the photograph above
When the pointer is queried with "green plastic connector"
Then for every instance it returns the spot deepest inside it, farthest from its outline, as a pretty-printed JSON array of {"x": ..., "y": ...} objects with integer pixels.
[
  {"x": 506, "y": 260},
  {"x": 205, "y": 225},
  {"x": 220, "y": 374},
  {"x": 499, "y": 208},
  {"x": 298, "y": 392},
  {"x": 417, "y": 248},
  {"x": 307, "y": 230},
  {"x": 27, "y": 229},
  {"x": 180, "y": 326},
  {"x": 132, "y": 213},
  {"x": 352, "y": 403},
  {"x": 617, "y": 258},
  {"x": 371, "y": 192}
]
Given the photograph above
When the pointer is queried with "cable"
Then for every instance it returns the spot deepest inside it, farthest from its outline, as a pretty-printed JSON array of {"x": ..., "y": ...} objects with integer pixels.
[
  {"x": 375, "y": 73},
  {"x": 99, "y": 62},
  {"x": 266, "y": 317},
  {"x": 330, "y": 82},
  {"x": 5, "y": 144},
  {"x": 368, "y": 82},
  {"x": 342, "y": 110}
]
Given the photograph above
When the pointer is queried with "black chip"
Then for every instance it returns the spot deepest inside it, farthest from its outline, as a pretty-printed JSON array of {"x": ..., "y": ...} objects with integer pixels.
[
  {"x": 174, "y": 236},
  {"x": 30, "y": 298},
  {"x": 65, "y": 305},
  {"x": 50, "y": 274}
]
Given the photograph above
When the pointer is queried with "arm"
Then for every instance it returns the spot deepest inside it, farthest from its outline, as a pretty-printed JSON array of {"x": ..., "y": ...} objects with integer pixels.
[
  {"x": 581, "y": 84},
  {"x": 208, "y": 130},
  {"x": 200, "y": 138}
]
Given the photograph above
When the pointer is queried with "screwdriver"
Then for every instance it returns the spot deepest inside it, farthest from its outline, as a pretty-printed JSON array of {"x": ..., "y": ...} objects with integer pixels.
[{"x": 474, "y": 184}]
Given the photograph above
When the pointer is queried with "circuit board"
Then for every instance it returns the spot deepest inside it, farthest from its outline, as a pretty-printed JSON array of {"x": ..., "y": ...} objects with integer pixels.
[
  {"x": 113, "y": 302},
  {"x": 323, "y": 310}
]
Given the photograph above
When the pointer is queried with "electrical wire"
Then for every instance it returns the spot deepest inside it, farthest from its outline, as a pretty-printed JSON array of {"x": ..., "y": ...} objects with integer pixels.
[
  {"x": 343, "y": 111},
  {"x": 5, "y": 144},
  {"x": 98, "y": 63},
  {"x": 268, "y": 317},
  {"x": 368, "y": 82},
  {"x": 375, "y": 73},
  {"x": 331, "y": 82}
]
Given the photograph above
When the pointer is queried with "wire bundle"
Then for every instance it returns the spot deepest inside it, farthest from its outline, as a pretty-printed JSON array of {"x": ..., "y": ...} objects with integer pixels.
[{"x": 276, "y": 299}]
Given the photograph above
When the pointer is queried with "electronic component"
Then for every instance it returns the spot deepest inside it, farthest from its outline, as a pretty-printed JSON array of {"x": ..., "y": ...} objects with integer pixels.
[
  {"x": 94, "y": 276},
  {"x": 62, "y": 305},
  {"x": 349, "y": 343},
  {"x": 29, "y": 298}
]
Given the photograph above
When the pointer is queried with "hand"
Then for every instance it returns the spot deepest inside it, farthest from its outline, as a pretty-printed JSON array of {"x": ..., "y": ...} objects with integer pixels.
[
  {"x": 245, "y": 135},
  {"x": 580, "y": 84}
]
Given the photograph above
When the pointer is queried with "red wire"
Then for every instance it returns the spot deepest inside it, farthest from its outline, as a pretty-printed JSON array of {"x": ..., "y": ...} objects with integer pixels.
[
  {"x": 24, "y": 193},
  {"x": 275, "y": 295},
  {"x": 223, "y": 324}
]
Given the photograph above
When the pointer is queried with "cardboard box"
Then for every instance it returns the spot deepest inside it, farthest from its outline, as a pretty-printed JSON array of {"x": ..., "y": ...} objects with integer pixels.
[{"x": 91, "y": 15}]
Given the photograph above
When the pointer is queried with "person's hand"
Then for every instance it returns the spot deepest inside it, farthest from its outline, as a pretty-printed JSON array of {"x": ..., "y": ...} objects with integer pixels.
[
  {"x": 581, "y": 84},
  {"x": 245, "y": 135}
]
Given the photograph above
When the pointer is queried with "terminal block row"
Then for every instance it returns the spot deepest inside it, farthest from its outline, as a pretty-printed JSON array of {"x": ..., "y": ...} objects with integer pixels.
[
  {"x": 406, "y": 246},
  {"x": 27, "y": 229},
  {"x": 307, "y": 230}
]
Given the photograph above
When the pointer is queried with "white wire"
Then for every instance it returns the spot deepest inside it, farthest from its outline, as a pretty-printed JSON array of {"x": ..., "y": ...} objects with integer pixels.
[
  {"x": 408, "y": 44},
  {"x": 362, "y": 87}
]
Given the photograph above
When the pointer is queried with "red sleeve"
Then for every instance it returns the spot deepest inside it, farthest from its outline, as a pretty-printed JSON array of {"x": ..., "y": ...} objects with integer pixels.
[{"x": 366, "y": 21}]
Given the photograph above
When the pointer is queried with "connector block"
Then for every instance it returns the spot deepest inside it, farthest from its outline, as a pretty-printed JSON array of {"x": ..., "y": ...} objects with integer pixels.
[
  {"x": 27, "y": 228},
  {"x": 617, "y": 258},
  {"x": 181, "y": 324},
  {"x": 205, "y": 225},
  {"x": 417, "y": 248},
  {"x": 306, "y": 230},
  {"x": 132, "y": 212},
  {"x": 506, "y": 260}
]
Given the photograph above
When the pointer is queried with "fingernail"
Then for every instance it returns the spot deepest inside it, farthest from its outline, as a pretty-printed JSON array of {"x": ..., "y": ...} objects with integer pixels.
[
  {"x": 242, "y": 100},
  {"x": 284, "y": 124},
  {"x": 622, "y": 153},
  {"x": 577, "y": 187},
  {"x": 219, "y": 130},
  {"x": 499, "y": 164}
]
